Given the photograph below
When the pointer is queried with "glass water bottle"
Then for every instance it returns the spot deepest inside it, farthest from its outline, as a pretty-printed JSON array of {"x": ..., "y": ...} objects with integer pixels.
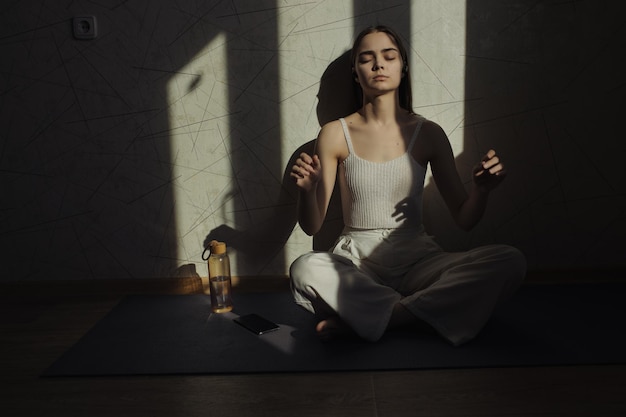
[{"x": 219, "y": 278}]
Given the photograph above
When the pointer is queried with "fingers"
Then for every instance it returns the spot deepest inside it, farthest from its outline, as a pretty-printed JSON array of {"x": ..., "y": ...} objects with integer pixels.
[
  {"x": 491, "y": 163},
  {"x": 490, "y": 154},
  {"x": 490, "y": 171},
  {"x": 482, "y": 173},
  {"x": 305, "y": 158},
  {"x": 304, "y": 166}
]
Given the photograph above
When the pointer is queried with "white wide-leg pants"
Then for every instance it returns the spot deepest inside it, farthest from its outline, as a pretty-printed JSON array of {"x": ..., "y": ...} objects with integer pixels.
[{"x": 369, "y": 271}]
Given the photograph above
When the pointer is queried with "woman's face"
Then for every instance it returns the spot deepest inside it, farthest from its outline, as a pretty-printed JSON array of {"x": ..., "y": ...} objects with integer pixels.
[{"x": 378, "y": 64}]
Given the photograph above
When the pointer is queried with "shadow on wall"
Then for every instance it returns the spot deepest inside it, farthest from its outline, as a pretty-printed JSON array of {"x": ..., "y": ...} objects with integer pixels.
[
  {"x": 85, "y": 154},
  {"x": 263, "y": 241}
]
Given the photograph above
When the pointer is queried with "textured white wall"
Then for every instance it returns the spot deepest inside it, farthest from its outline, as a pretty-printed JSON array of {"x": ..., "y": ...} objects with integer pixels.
[{"x": 122, "y": 156}]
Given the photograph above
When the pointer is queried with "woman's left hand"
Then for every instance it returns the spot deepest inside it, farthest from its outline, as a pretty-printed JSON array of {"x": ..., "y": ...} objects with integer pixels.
[{"x": 489, "y": 173}]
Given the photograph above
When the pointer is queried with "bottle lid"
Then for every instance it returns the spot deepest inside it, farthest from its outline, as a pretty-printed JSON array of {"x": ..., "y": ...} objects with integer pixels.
[{"x": 217, "y": 248}]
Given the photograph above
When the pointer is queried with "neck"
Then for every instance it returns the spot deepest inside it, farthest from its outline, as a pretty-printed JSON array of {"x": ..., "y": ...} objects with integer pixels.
[{"x": 382, "y": 109}]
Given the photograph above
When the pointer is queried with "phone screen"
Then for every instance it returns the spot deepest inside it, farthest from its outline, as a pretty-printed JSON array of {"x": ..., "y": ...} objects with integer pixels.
[{"x": 256, "y": 324}]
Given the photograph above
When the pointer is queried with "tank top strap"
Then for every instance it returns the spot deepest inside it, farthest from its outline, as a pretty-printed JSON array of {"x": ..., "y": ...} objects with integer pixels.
[
  {"x": 346, "y": 133},
  {"x": 415, "y": 133}
]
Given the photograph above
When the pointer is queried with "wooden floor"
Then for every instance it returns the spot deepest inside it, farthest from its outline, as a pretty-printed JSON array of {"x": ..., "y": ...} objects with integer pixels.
[{"x": 37, "y": 328}]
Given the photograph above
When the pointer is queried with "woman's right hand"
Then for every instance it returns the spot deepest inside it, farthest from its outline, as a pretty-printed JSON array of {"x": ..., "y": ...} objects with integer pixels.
[{"x": 307, "y": 171}]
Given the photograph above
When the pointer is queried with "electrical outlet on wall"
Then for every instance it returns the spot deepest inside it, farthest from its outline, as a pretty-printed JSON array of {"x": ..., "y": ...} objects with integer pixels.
[{"x": 85, "y": 27}]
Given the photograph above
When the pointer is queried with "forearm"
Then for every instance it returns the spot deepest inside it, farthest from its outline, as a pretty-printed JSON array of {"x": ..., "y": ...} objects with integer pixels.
[
  {"x": 310, "y": 216},
  {"x": 472, "y": 209}
]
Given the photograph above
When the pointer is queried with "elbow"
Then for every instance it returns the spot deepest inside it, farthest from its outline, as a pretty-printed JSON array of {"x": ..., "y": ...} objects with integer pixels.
[
  {"x": 309, "y": 229},
  {"x": 467, "y": 224},
  {"x": 309, "y": 232},
  {"x": 468, "y": 214}
]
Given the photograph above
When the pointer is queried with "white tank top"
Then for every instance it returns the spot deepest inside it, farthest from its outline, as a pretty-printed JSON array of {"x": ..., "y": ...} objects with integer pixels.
[{"x": 381, "y": 195}]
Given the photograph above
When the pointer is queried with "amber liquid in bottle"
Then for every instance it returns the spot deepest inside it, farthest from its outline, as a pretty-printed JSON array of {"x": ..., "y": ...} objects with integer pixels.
[{"x": 219, "y": 278}]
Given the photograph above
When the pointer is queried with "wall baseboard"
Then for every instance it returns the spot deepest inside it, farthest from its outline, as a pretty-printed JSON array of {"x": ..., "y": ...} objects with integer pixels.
[
  {"x": 122, "y": 286},
  {"x": 261, "y": 283}
]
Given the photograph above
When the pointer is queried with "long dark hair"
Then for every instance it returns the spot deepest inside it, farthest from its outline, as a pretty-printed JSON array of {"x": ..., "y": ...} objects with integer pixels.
[{"x": 404, "y": 91}]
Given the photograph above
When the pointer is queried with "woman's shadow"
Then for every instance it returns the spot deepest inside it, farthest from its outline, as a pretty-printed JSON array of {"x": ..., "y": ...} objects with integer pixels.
[{"x": 257, "y": 245}]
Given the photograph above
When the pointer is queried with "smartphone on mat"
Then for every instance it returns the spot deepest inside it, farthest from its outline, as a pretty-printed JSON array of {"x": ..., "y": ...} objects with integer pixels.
[{"x": 256, "y": 324}]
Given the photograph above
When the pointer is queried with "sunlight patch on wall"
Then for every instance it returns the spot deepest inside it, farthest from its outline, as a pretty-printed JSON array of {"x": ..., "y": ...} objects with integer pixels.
[
  {"x": 437, "y": 51},
  {"x": 311, "y": 38},
  {"x": 200, "y": 148}
]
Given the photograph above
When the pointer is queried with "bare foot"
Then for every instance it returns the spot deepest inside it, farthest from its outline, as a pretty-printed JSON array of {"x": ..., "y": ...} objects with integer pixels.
[{"x": 331, "y": 328}]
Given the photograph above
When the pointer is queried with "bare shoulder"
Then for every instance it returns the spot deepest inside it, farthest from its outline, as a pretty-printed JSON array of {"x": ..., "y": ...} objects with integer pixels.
[
  {"x": 353, "y": 118},
  {"x": 432, "y": 142},
  {"x": 432, "y": 131},
  {"x": 331, "y": 141},
  {"x": 331, "y": 128},
  {"x": 433, "y": 134}
]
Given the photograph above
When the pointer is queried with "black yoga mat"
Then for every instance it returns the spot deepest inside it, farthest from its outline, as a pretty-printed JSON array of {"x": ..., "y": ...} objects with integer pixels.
[{"x": 178, "y": 334}]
